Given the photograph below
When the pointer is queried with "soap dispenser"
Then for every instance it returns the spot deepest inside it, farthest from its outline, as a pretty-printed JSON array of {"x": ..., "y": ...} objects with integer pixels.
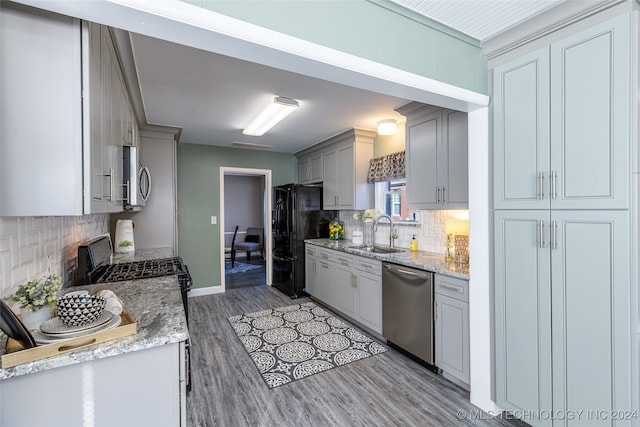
[{"x": 414, "y": 243}]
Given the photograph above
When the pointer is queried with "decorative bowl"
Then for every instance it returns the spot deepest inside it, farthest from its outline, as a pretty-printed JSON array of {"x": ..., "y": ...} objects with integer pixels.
[{"x": 79, "y": 310}]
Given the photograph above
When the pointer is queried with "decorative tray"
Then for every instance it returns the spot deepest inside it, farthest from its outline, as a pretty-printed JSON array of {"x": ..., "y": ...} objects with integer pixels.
[{"x": 16, "y": 354}]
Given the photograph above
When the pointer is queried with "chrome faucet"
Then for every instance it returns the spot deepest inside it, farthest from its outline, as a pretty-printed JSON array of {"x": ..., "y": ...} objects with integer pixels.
[{"x": 393, "y": 233}]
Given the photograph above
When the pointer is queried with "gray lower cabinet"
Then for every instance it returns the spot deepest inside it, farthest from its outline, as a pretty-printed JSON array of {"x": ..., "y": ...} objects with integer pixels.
[
  {"x": 437, "y": 157},
  {"x": 562, "y": 314},
  {"x": 311, "y": 270},
  {"x": 452, "y": 327},
  {"x": 140, "y": 388},
  {"x": 350, "y": 284}
]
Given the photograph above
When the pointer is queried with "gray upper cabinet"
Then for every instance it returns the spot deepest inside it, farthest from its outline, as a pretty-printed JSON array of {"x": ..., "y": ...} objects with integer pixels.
[
  {"x": 310, "y": 168},
  {"x": 71, "y": 162},
  {"x": 437, "y": 157},
  {"x": 40, "y": 87},
  {"x": 521, "y": 132},
  {"x": 346, "y": 165},
  {"x": 562, "y": 124}
]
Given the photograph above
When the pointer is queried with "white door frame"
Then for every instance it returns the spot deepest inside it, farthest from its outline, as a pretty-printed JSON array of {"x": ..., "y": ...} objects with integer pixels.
[{"x": 266, "y": 173}]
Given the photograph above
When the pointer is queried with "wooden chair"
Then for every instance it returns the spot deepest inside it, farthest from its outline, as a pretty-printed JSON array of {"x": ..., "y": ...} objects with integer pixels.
[
  {"x": 252, "y": 242},
  {"x": 231, "y": 251}
]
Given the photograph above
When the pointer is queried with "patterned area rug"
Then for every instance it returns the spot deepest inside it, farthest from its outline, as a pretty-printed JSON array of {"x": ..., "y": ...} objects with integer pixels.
[
  {"x": 239, "y": 267},
  {"x": 293, "y": 342}
]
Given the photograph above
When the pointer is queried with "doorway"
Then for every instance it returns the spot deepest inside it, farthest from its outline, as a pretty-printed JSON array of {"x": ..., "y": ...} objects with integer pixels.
[{"x": 245, "y": 201}]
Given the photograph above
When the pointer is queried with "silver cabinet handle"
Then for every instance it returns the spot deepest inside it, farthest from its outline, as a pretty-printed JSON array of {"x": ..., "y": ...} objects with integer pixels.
[
  {"x": 554, "y": 177},
  {"x": 443, "y": 192},
  {"x": 541, "y": 233},
  {"x": 437, "y": 194},
  {"x": 541, "y": 185},
  {"x": 554, "y": 230},
  {"x": 452, "y": 288}
]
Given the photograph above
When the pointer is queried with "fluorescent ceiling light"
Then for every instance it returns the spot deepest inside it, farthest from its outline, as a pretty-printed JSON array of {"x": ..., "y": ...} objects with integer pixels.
[
  {"x": 272, "y": 115},
  {"x": 387, "y": 127}
]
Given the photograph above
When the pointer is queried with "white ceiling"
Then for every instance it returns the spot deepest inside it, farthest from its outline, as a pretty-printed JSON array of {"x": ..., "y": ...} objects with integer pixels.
[
  {"x": 480, "y": 19},
  {"x": 213, "y": 97}
]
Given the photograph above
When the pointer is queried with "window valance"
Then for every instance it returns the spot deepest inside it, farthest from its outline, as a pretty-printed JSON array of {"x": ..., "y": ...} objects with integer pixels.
[{"x": 387, "y": 168}]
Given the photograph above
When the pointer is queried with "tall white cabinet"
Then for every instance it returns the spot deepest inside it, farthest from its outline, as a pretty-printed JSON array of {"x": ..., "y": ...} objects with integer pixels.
[{"x": 562, "y": 179}]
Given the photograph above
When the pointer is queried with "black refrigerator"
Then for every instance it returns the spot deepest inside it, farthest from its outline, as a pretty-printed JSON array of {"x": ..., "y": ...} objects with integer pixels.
[{"x": 298, "y": 215}]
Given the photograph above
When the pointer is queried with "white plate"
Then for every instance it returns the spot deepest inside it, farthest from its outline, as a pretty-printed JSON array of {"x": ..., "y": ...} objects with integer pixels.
[
  {"x": 41, "y": 338},
  {"x": 56, "y": 327}
]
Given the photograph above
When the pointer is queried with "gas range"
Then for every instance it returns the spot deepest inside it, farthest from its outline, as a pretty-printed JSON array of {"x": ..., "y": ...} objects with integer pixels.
[{"x": 94, "y": 267}]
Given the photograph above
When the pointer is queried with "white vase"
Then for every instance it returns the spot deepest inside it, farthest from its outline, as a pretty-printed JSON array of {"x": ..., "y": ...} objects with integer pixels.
[{"x": 33, "y": 319}]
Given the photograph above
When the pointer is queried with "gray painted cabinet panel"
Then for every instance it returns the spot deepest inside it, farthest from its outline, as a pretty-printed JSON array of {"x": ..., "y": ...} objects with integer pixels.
[
  {"x": 437, "y": 158},
  {"x": 590, "y": 118},
  {"x": 521, "y": 132},
  {"x": 590, "y": 311},
  {"x": 523, "y": 311},
  {"x": 422, "y": 161},
  {"x": 452, "y": 327},
  {"x": 562, "y": 123}
]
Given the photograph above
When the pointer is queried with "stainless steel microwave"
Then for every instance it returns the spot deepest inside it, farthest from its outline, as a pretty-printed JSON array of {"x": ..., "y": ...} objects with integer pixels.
[{"x": 136, "y": 179}]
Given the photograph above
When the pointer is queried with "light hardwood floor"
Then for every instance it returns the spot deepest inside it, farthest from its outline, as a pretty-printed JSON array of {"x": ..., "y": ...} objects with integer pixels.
[{"x": 385, "y": 390}]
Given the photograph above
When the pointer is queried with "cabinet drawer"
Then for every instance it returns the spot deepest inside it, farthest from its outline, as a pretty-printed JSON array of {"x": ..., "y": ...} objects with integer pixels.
[
  {"x": 344, "y": 259},
  {"x": 311, "y": 250},
  {"x": 452, "y": 287},
  {"x": 326, "y": 254},
  {"x": 371, "y": 266}
]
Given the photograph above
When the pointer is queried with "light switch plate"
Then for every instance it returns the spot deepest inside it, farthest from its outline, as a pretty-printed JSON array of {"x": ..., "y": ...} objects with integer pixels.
[{"x": 214, "y": 219}]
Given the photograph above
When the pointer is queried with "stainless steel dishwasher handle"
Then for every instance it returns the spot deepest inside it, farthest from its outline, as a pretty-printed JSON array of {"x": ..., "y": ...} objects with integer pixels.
[{"x": 410, "y": 273}]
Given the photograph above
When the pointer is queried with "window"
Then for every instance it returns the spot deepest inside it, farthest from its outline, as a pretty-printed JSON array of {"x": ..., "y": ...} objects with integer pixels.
[{"x": 391, "y": 200}]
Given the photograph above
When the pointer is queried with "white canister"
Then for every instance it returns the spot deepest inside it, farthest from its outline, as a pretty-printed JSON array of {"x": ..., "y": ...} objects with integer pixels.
[
  {"x": 357, "y": 237},
  {"x": 124, "y": 236}
]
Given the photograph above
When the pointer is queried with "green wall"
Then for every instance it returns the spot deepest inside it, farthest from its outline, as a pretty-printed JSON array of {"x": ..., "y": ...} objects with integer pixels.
[
  {"x": 199, "y": 199},
  {"x": 378, "y": 30}
]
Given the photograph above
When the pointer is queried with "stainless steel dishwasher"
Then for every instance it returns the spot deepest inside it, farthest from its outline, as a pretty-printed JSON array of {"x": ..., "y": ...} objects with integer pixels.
[{"x": 407, "y": 310}]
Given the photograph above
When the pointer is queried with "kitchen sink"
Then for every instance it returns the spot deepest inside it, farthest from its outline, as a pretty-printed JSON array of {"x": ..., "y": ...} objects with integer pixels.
[{"x": 377, "y": 249}]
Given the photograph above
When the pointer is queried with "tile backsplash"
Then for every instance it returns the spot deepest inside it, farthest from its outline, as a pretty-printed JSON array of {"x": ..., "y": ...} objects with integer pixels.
[
  {"x": 31, "y": 246},
  {"x": 429, "y": 231}
]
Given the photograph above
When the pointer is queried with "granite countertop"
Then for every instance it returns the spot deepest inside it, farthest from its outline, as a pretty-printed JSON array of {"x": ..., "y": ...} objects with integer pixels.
[
  {"x": 429, "y": 261},
  {"x": 142, "y": 255},
  {"x": 156, "y": 306}
]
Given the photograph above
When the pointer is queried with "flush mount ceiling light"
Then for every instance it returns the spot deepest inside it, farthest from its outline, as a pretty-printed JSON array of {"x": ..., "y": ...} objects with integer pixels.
[
  {"x": 275, "y": 112},
  {"x": 387, "y": 127}
]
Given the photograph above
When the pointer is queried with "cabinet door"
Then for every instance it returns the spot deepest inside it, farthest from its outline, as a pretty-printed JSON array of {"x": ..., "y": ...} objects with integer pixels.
[
  {"x": 522, "y": 312},
  {"x": 303, "y": 170},
  {"x": 590, "y": 124},
  {"x": 454, "y": 178},
  {"x": 521, "y": 132},
  {"x": 591, "y": 319},
  {"x": 452, "y": 336},
  {"x": 344, "y": 289},
  {"x": 325, "y": 281},
  {"x": 311, "y": 273},
  {"x": 316, "y": 172},
  {"x": 369, "y": 300},
  {"x": 346, "y": 177},
  {"x": 422, "y": 143},
  {"x": 330, "y": 184},
  {"x": 97, "y": 98}
]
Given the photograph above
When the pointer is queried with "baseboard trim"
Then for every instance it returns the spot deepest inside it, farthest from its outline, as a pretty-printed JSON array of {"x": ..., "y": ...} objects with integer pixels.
[{"x": 209, "y": 290}]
